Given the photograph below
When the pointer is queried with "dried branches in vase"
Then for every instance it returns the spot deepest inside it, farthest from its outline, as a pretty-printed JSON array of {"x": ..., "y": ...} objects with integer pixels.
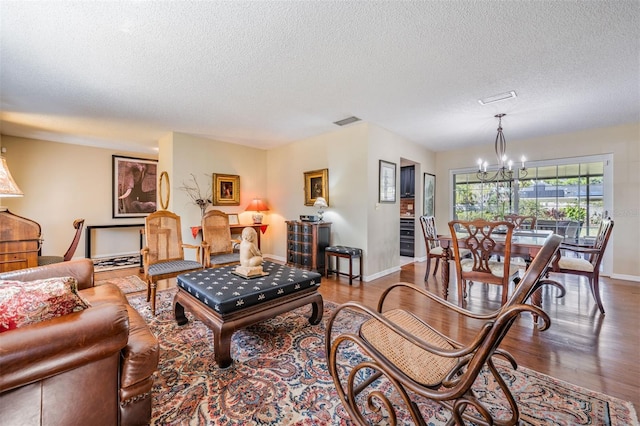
[{"x": 192, "y": 188}]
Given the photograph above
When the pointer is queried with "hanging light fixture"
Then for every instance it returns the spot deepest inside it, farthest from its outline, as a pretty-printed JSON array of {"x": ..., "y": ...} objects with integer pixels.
[{"x": 505, "y": 165}]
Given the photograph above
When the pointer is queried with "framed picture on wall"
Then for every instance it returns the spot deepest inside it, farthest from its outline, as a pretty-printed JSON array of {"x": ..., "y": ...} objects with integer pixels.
[
  {"x": 429, "y": 198},
  {"x": 316, "y": 184},
  {"x": 226, "y": 190},
  {"x": 233, "y": 219},
  {"x": 134, "y": 186},
  {"x": 387, "y": 176}
]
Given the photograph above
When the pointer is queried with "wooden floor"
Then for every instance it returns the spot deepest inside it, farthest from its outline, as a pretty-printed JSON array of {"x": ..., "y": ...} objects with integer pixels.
[{"x": 582, "y": 347}]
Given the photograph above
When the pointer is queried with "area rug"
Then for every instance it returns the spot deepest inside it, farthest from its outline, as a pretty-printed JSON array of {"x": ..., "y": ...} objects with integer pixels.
[
  {"x": 119, "y": 262},
  {"x": 280, "y": 376},
  {"x": 129, "y": 284}
]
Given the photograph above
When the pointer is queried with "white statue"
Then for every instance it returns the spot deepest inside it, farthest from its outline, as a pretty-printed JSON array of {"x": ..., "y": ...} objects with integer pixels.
[{"x": 250, "y": 255}]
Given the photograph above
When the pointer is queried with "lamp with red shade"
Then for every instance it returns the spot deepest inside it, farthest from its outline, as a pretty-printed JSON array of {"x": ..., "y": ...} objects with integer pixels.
[{"x": 257, "y": 206}]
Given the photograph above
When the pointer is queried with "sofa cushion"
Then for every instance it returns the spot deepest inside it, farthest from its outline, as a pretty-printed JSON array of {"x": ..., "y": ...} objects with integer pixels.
[{"x": 24, "y": 303}]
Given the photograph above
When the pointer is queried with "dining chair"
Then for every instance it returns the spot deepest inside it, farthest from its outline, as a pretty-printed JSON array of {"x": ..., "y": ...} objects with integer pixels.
[
  {"x": 163, "y": 255},
  {"x": 521, "y": 222},
  {"x": 588, "y": 267},
  {"x": 216, "y": 240},
  {"x": 480, "y": 238},
  {"x": 395, "y": 349},
  {"x": 434, "y": 249},
  {"x": 78, "y": 224}
]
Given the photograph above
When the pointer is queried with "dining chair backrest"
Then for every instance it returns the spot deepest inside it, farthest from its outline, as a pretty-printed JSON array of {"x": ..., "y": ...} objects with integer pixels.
[
  {"x": 521, "y": 222},
  {"x": 600, "y": 244},
  {"x": 428, "y": 224}
]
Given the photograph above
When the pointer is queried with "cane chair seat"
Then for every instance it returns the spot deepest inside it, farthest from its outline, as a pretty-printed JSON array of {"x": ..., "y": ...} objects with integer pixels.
[{"x": 404, "y": 354}]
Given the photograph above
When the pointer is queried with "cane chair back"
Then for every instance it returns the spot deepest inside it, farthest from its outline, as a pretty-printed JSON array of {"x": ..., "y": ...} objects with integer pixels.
[
  {"x": 163, "y": 254},
  {"x": 419, "y": 360},
  {"x": 571, "y": 259},
  {"x": 484, "y": 240},
  {"x": 216, "y": 240}
]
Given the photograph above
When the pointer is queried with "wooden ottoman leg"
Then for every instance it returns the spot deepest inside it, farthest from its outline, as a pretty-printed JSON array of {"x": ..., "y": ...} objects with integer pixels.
[
  {"x": 360, "y": 261},
  {"x": 222, "y": 345},
  {"x": 317, "y": 307},
  {"x": 178, "y": 313},
  {"x": 350, "y": 269}
]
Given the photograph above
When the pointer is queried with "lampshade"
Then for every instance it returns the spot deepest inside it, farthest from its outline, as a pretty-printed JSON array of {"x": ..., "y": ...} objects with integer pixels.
[
  {"x": 257, "y": 205},
  {"x": 8, "y": 186},
  {"x": 320, "y": 202}
]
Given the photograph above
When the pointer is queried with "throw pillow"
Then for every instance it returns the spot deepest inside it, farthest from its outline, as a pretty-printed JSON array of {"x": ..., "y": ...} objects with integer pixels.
[{"x": 24, "y": 303}]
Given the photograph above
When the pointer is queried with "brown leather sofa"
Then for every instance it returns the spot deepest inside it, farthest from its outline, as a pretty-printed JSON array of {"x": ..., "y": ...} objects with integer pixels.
[{"x": 92, "y": 367}]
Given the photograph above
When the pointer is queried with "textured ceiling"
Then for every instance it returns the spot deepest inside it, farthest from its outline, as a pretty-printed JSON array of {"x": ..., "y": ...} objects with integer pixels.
[{"x": 123, "y": 73}]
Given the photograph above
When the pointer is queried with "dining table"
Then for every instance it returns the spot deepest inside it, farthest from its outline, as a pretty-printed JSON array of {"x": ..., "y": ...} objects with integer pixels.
[{"x": 524, "y": 243}]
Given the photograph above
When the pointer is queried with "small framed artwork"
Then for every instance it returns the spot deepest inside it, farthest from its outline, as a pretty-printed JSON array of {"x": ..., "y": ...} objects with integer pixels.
[
  {"x": 429, "y": 199},
  {"x": 387, "y": 176},
  {"x": 316, "y": 184},
  {"x": 134, "y": 186},
  {"x": 226, "y": 190},
  {"x": 233, "y": 219}
]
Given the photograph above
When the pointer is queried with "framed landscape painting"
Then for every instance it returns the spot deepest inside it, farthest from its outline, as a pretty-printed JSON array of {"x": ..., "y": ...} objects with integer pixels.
[
  {"x": 429, "y": 199},
  {"x": 134, "y": 186},
  {"x": 226, "y": 190}
]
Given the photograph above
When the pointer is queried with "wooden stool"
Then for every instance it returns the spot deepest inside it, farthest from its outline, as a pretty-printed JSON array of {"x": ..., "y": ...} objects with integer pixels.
[{"x": 346, "y": 252}]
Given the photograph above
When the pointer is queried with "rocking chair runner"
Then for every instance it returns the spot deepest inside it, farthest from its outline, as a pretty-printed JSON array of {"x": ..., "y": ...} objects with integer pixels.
[{"x": 414, "y": 356}]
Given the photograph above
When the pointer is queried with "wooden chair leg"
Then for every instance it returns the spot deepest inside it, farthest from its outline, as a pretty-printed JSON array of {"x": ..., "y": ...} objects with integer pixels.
[
  {"x": 594, "y": 283},
  {"x": 426, "y": 274},
  {"x": 436, "y": 268}
]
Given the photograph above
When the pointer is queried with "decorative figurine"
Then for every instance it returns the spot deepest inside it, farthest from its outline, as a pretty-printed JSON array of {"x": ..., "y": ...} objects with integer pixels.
[{"x": 250, "y": 255}]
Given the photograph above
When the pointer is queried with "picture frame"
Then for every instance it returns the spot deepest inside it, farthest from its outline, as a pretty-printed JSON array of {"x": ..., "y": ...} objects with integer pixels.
[
  {"x": 387, "y": 182},
  {"x": 233, "y": 219},
  {"x": 226, "y": 190},
  {"x": 316, "y": 184},
  {"x": 134, "y": 186},
  {"x": 429, "y": 199}
]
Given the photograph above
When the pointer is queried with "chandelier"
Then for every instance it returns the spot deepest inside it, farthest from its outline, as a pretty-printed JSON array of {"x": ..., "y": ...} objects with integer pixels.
[{"x": 505, "y": 166}]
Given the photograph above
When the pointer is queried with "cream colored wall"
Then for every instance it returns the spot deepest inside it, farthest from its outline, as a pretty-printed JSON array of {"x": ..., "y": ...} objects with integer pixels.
[
  {"x": 62, "y": 182},
  {"x": 187, "y": 154},
  {"x": 622, "y": 141},
  {"x": 383, "y": 227},
  {"x": 343, "y": 152}
]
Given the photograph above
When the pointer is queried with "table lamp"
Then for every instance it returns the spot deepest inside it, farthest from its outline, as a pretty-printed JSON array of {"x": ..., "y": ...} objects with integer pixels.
[
  {"x": 257, "y": 206},
  {"x": 320, "y": 203}
]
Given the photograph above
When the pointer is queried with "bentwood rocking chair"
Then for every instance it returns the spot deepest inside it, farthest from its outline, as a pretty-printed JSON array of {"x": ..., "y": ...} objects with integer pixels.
[{"x": 396, "y": 347}]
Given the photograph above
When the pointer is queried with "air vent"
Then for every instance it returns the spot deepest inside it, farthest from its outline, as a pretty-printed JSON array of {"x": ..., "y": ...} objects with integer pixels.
[
  {"x": 346, "y": 121},
  {"x": 498, "y": 98}
]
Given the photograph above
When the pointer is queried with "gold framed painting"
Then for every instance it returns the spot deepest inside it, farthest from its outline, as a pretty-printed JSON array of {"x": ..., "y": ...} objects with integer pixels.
[
  {"x": 316, "y": 184},
  {"x": 226, "y": 190}
]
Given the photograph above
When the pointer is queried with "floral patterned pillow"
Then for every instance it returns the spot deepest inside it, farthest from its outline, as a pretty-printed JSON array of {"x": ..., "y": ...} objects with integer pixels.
[{"x": 24, "y": 303}]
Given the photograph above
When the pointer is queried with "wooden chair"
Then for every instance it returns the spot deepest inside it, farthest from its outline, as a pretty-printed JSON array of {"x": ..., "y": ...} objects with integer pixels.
[
  {"x": 521, "y": 222},
  {"x": 434, "y": 250},
  {"x": 216, "y": 240},
  {"x": 163, "y": 256},
  {"x": 478, "y": 236},
  {"x": 589, "y": 267},
  {"x": 78, "y": 224},
  {"x": 419, "y": 360}
]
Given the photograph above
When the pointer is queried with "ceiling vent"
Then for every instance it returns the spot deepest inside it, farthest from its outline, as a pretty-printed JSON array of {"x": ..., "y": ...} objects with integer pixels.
[
  {"x": 346, "y": 121},
  {"x": 498, "y": 98}
]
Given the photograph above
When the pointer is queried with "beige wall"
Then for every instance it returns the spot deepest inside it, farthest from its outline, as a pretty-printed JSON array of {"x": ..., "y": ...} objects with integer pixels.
[
  {"x": 621, "y": 141},
  {"x": 62, "y": 182}
]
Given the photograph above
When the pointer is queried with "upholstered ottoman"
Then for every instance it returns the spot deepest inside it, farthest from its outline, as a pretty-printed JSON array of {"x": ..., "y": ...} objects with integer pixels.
[
  {"x": 226, "y": 302},
  {"x": 345, "y": 252}
]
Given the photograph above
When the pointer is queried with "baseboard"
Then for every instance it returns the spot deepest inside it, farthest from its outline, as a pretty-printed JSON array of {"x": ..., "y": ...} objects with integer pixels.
[{"x": 626, "y": 277}]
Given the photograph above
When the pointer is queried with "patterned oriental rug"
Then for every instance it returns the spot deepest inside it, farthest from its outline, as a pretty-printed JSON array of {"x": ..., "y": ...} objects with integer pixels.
[
  {"x": 129, "y": 284},
  {"x": 280, "y": 376}
]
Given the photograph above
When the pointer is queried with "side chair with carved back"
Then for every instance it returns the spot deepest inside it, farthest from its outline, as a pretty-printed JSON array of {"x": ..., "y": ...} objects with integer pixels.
[{"x": 434, "y": 249}]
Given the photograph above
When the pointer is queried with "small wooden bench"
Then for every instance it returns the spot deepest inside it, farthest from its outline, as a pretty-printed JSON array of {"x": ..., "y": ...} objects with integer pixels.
[
  {"x": 344, "y": 252},
  {"x": 226, "y": 302}
]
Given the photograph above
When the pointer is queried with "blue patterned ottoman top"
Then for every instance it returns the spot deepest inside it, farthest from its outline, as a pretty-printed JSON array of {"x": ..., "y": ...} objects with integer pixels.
[{"x": 226, "y": 292}]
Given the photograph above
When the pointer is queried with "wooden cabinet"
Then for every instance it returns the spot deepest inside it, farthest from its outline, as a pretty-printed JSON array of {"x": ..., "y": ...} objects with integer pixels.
[
  {"x": 306, "y": 242},
  {"x": 407, "y": 237},
  {"x": 407, "y": 182}
]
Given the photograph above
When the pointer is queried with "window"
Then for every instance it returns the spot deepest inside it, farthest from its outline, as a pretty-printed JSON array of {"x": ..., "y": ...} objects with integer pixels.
[{"x": 567, "y": 196}]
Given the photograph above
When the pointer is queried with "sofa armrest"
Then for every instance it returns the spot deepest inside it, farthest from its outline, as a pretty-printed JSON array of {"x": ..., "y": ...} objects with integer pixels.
[
  {"x": 41, "y": 350},
  {"x": 80, "y": 269}
]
